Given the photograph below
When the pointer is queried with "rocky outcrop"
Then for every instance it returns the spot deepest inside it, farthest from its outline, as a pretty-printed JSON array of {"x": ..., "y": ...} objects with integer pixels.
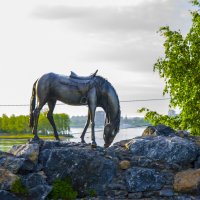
[
  {"x": 162, "y": 166},
  {"x": 171, "y": 152},
  {"x": 7, "y": 178},
  {"x": 159, "y": 130},
  {"x": 187, "y": 181}
]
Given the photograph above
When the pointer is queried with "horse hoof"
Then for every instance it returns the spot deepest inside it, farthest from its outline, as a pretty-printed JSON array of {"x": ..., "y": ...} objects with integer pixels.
[
  {"x": 36, "y": 138},
  {"x": 83, "y": 141},
  {"x": 94, "y": 145}
]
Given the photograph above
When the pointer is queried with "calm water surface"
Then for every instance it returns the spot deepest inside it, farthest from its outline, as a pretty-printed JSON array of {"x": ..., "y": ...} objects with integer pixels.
[{"x": 124, "y": 134}]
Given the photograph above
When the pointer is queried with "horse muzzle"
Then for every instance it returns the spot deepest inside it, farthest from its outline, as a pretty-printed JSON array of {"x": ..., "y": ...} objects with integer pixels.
[{"x": 107, "y": 145}]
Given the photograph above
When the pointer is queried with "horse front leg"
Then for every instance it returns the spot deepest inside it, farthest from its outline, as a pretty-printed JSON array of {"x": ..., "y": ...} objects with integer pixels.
[
  {"x": 51, "y": 105},
  {"x": 92, "y": 113},
  {"x": 85, "y": 128},
  {"x": 92, "y": 103}
]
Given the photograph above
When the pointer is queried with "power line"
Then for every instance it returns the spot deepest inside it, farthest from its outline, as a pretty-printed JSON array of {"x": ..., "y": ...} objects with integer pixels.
[
  {"x": 61, "y": 104},
  {"x": 126, "y": 101}
]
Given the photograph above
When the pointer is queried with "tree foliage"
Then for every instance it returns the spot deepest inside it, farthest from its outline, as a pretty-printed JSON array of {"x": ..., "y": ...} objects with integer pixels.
[
  {"x": 180, "y": 69},
  {"x": 20, "y": 124}
]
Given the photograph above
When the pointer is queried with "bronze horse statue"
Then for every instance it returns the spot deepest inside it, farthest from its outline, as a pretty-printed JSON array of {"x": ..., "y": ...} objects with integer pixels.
[{"x": 93, "y": 91}]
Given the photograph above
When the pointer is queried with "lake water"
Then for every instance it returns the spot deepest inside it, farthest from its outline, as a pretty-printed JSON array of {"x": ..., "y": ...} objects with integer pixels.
[{"x": 124, "y": 134}]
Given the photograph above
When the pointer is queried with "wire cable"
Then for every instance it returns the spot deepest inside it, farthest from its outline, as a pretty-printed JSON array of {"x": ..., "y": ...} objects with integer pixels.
[{"x": 61, "y": 104}]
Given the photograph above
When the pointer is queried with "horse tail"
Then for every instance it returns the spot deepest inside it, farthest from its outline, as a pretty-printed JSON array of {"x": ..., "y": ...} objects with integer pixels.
[{"x": 32, "y": 105}]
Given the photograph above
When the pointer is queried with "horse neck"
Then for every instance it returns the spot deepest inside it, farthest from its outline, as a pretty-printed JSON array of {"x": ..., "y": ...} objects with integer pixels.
[{"x": 112, "y": 107}]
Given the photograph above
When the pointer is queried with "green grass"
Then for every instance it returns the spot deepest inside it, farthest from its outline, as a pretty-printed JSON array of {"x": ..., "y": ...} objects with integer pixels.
[
  {"x": 62, "y": 189},
  {"x": 18, "y": 188},
  {"x": 27, "y": 136}
]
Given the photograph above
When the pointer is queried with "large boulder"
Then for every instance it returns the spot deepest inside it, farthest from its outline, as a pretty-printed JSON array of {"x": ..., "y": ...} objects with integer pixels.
[
  {"x": 88, "y": 168},
  {"x": 16, "y": 164},
  {"x": 187, "y": 181},
  {"x": 173, "y": 152},
  {"x": 37, "y": 186},
  {"x": 142, "y": 179},
  {"x": 5, "y": 195},
  {"x": 7, "y": 179},
  {"x": 159, "y": 130},
  {"x": 29, "y": 151}
]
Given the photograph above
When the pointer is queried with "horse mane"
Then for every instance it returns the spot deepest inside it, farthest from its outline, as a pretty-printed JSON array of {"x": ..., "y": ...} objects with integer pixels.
[{"x": 102, "y": 82}]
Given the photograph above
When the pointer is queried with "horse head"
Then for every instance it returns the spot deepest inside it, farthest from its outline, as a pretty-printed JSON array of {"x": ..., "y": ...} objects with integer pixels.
[{"x": 109, "y": 134}]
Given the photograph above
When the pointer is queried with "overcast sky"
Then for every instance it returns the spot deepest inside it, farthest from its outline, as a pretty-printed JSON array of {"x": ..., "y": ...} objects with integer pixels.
[{"x": 117, "y": 37}]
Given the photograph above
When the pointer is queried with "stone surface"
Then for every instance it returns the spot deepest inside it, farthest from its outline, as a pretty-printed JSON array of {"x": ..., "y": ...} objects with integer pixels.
[
  {"x": 135, "y": 195},
  {"x": 142, "y": 179},
  {"x": 174, "y": 151},
  {"x": 5, "y": 195},
  {"x": 33, "y": 179},
  {"x": 37, "y": 186},
  {"x": 16, "y": 164},
  {"x": 182, "y": 133},
  {"x": 88, "y": 168},
  {"x": 7, "y": 178},
  {"x": 159, "y": 130},
  {"x": 149, "y": 131},
  {"x": 39, "y": 192},
  {"x": 141, "y": 168},
  {"x": 187, "y": 181},
  {"x": 166, "y": 192},
  {"x": 125, "y": 164},
  {"x": 29, "y": 151}
]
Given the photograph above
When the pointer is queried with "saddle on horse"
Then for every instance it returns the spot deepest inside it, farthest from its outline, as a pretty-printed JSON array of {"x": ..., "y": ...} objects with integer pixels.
[
  {"x": 75, "y": 76},
  {"x": 82, "y": 83}
]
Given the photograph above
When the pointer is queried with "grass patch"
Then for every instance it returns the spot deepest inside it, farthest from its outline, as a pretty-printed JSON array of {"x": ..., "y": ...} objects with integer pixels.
[
  {"x": 18, "y": 188},
  {"x": 62, "y": 189},
  {"x": 92, "y": 193}
]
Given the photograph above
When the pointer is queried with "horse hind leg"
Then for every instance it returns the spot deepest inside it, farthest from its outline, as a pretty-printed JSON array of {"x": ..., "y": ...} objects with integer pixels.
[
  {"x": 36, "y": 114},
  {"x": 51, "y": 105},
  {"x": 85, "y": 128}
]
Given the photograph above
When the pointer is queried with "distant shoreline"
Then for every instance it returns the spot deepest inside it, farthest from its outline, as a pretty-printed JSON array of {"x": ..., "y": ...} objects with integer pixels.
[{"x": 30, "y": 136}]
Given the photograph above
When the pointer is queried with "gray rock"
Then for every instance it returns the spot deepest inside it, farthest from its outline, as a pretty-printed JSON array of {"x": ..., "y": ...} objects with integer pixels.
[
  {"x": 197, "y": 163},
  {"x": 16, "y": 164},
  {"x": 168, "y": 150},
  {"x": 40, "y": 192},
  {"x": 166, "y": 192},
  {"x": 7, "y": 179},
  {"x": 182, "y": 133},
  {"x": 135, "y": 195},
  {"x": 5, "y": 195},
  {"x": 142, "y": 179},
  {"x": 86, "y": 167},
  {"x": 29, "y": 151},
  {"x": 32, "y": 180},
  {"x": 37, "y": 186},
  {"x": 159, "y": 130}
]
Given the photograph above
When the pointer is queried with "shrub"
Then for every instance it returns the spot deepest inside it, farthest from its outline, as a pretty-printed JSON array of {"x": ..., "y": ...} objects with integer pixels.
[
  {"x": 92, "y": 193},
  {"x": 18, "y": 188},
  {"x": 63, "y": 189}
]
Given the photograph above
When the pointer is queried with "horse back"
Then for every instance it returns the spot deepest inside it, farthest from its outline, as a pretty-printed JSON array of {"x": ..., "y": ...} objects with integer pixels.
[{"x": 62, "y": 88}]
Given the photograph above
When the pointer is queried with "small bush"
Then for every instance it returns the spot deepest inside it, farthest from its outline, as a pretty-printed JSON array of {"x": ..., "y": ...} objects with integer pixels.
[
  {"x": 63, "y": 189},
  {"x": 92, "y": 193},
  {"x": 18, "y": 188}
]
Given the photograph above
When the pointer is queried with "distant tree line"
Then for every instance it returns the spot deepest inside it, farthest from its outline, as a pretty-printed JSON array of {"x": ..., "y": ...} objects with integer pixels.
[
  {"x": 133, "y": 121},
  {"x": 20, "y": 124},
  {"x": 79, "y": 121}
]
